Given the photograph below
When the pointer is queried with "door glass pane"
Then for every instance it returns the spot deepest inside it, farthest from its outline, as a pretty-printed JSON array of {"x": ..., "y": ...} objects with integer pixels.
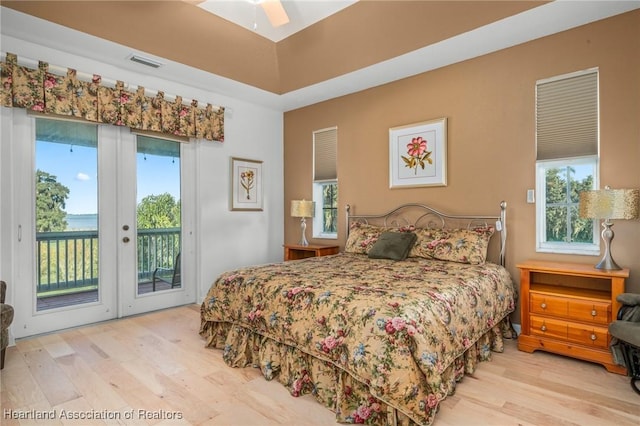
[
  {"x": 158, "y": 214},
  {"x": 66, "y": 213}
]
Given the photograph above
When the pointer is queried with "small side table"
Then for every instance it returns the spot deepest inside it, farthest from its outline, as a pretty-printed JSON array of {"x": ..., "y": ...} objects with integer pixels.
[
  {"x": 566, "y": 308},
  {"x": 296, "y": 251}
]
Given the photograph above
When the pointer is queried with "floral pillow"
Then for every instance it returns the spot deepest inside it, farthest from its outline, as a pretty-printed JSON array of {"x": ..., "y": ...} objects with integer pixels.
[
  {"x": 456, "y": 245},
  {"x": 362, "y": 237}
]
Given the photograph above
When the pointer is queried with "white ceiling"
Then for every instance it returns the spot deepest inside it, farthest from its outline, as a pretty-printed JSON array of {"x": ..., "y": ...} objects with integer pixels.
[
  {"x": 250, "y": 15},
  {"x": 34, "y": 38}
]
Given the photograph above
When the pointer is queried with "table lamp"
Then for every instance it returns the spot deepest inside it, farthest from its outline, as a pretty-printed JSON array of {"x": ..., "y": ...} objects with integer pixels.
[
  {"x": 302, "y": 209},
  {"x": 609, "y": 204}
]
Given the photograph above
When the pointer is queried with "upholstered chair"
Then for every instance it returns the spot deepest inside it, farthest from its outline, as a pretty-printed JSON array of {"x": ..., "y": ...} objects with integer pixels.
[
  {"x": 6, "y": 318},
  {"x": 625, "y": 344}
]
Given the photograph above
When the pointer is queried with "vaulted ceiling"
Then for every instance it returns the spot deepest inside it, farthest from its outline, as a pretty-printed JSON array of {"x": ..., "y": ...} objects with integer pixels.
[{"x": 365, "y": 44}]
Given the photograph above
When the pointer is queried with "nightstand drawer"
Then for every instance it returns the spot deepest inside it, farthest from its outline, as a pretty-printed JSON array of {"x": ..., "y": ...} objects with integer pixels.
[
  {"x": 548, "y": 305},
  {"x": 591, "y": 311},
  {"x": 588, "y": 336},
  {"x": 570, "y": 308},
  {"x": 548, "y": 327},
  {"x": 573, "y": 332}
]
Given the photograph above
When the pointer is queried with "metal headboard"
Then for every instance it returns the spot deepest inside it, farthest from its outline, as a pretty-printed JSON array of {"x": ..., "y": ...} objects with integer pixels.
[{"x": 422, "y": 216}]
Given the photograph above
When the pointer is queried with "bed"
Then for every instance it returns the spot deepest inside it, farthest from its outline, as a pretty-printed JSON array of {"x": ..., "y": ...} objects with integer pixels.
[{"x": 381, "y": 332}]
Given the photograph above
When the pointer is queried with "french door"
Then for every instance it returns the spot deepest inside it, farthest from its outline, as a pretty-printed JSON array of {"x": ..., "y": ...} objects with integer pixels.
[{"x": 98, "y": 224}]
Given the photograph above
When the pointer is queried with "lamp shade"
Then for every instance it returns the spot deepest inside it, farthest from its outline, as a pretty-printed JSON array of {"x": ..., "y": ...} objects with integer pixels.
[
  {"x": 302, "y": 208},
  {"x": 610, "y": 204}
]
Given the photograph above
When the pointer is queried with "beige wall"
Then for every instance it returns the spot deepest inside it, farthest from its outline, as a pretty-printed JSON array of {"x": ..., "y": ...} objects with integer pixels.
[
  {"x": 489, "y": 104},
  {"x": 220, "y": 47}
]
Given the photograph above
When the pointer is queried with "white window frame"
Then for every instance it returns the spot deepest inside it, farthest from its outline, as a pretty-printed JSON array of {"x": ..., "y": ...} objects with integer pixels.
[
  {"x": 568, "y": 136},
  {"x": 544, "y": 246},
  {"x": 324, "y": 173}
]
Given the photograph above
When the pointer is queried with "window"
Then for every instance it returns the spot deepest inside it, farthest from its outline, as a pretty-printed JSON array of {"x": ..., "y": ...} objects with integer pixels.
[
  {"x": 567, "y": 161},
  {"x": 560, "y": 229},
  {"x": 325, "y": 183}
]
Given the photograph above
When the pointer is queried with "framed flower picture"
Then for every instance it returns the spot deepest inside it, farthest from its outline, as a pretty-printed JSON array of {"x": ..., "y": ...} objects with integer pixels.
[
  {"x": 418, "y": 154},
  {"x": 246, "y": 184}
]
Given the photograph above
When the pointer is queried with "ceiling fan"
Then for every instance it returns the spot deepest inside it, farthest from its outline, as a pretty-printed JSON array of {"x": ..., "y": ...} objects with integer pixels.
[
  {"x": 274, "y": 20},
  {"x": 274, "y": 11}
]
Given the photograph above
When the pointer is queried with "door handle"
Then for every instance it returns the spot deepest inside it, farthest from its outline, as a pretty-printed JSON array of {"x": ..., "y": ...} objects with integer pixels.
[
  {"x": 125, "y": 227},
  {"x": 125, "y": 240}
]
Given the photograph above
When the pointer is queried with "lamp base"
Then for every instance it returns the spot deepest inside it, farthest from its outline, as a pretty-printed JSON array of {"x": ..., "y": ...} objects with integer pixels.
[
  {"x": 607, "y": 262},
  {"x": 303, "y": 239}
]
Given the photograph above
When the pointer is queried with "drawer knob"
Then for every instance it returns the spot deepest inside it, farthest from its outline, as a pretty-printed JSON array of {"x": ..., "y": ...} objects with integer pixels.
[
  {"x": 543, "y": 328},
  {"x": 594, "y": 313},
  {"x": 543, "y": 305},
  {"x": 593, "y": 337}
]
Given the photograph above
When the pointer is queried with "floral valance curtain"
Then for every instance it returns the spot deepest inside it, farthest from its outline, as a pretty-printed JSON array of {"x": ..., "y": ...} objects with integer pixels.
[{"x": 41, "y": 91}]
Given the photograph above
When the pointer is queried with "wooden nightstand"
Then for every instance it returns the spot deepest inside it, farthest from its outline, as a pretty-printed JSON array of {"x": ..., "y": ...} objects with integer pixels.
[
  {"x": 296, "y": 251},
  {"x": 566, "y": 308}
]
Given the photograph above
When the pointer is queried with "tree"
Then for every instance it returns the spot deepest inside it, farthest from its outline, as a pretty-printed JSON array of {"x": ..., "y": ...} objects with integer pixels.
[
  {"x": 158, "y": 211},
  {"x": 562, "y": 198},
  {"x": 51, "y": 197},
  {"x": 330, "y": 207}
]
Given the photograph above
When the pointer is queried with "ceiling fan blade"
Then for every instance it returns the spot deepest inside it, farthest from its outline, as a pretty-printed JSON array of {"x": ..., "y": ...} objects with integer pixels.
[{"x": 275, "y": 12}]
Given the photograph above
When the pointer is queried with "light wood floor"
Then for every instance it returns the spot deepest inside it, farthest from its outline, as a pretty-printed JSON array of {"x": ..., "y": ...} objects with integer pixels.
[{"x": 156, "y": 363}]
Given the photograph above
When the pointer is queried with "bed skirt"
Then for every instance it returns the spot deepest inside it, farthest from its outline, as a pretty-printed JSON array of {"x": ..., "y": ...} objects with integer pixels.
[{"x": 333, "y": 387}]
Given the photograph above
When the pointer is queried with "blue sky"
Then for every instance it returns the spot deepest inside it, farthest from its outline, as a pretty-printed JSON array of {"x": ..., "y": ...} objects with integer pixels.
[{"x": 76, "y": 168}]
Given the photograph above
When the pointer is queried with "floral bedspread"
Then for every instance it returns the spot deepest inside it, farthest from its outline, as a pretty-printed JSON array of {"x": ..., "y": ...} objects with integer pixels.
[{"x": 392, "y": 332}]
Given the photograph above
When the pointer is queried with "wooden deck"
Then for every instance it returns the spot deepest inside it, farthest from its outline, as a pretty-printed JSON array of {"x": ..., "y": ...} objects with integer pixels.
[{"x": 61, "y": 301}]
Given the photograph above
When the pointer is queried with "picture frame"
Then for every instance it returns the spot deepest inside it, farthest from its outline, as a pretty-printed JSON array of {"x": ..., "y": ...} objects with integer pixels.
[
  {"x": 418, "y": 154},
  {"x": 246, "y": 185}
]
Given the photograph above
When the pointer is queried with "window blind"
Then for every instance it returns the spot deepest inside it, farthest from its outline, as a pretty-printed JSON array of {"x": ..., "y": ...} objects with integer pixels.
[
  {"x": 567, "y": 117},
  {"x": 325, "y": 154},
  {"x": 157, "y": 146},
  {"x": 67, "y": 132}
]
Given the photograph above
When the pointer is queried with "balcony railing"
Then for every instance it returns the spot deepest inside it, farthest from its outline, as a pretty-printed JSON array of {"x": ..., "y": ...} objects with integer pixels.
[{"x": 67, "y": 262}]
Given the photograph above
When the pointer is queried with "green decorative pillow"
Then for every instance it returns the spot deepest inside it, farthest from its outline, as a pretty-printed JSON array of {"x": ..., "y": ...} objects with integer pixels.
[{"x": 392, "y": 245}]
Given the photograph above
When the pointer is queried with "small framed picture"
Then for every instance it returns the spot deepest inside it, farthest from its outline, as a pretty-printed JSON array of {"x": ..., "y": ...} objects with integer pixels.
[
  {"x": 418, "y": 154},
  {"x": 246, "y": 184}
]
